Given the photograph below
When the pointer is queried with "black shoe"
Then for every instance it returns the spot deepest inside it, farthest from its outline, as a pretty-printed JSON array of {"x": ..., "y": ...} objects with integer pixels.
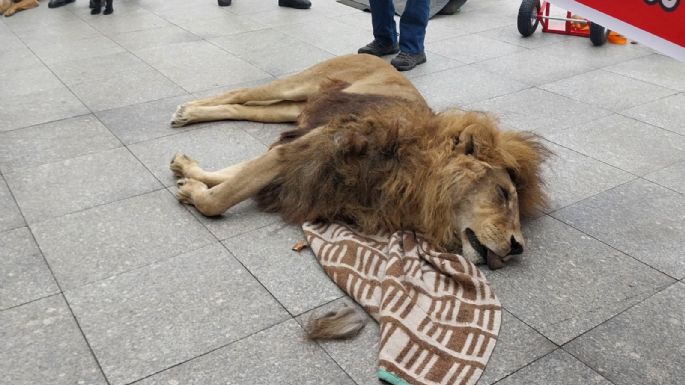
[
  {"x": 58, "y": 3},
  {"x": 406, "y": 61},
  {"x": 224, "y": 3},
  {"x": 297, "y": 4},
  {"x": 378, "y": 48}
]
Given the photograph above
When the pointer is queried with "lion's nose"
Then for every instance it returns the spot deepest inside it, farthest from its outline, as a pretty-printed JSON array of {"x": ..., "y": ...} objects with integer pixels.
[{"x": 516, "y": 247}]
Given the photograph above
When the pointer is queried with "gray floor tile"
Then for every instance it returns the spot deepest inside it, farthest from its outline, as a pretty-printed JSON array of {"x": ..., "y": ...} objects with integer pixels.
[
  {"x": 149, "y": 319},
  {"x": 639, "y": 218},
  {"x": 39, "y": 18},
  {"x": 157, "y": 37},
  {"x": 267, "y": 254},
  {"x": 547, "y": 287},
  {"x": 10, "y": 42},
  {"x": 434, "y": 63},
  {"x": 608, "y": 90},
  {"x": 239, "y": 219},
  {"x": 56, "y": 32},
  {"x": 66, "y": 50},
  {"x": 620, "y": 142},
  {"x": 103, "y": 241},
  {"x": 472, "y": 48},
  {"x": 55, "y": 189},
  {"x": 558, "y": 368},
  {"x": 215, "y": 147},
  {"x": 40, "y": 107},
  {"x": 183, "y": 11},
  {"x": 512, "y": 36},
  {"x": 534, "y": 67},
  {"x": 332, "y": 36},
  {"x": 27, "y": 81},
  {"x": 582, "y": 52},
  {"x": 656, "y": 69},
  {"x": 517, "y": 346},
  {"x": 280, "y": 17},
  {"x": 10, "y": 217},
  {"x": 276, "y": 353},
  {"x": 99, "y": 68},
  {"x": 52, "y": 142},
  {"x": 145, "y": 121},
  {"x": 538, "y": 110},
  {"x": 268, "y": 133},
  {"x": 272, "y": 51},
  {"x": 135, "y": 20},
  {"x": 220, "y": 24},
  {"x": 18, "y": 58},
  {"x": 23, "y": 272},
  {"x": 474, "y": 20},
  {"x": 41, "y": 344},
  {"x": 200, "y": 65},
  {"x": 115, "y": 91},
  {"x": 463, "y": 85},
  {"x": 439, "y": 28},
  {"x": 254, "y": 6},
  {"x": 671, "y": 177},
  {"x": 571, "y": 177},
  {"x": 357, "y": 356},
  {"x": 667, "y": 113},
  {"x": 643, "y": 346}
]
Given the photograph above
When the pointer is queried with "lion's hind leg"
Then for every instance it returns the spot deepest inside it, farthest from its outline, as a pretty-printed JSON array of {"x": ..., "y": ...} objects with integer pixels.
[
  {"x": 282, "y": 112},
  {"x": 20, "y": 6}
]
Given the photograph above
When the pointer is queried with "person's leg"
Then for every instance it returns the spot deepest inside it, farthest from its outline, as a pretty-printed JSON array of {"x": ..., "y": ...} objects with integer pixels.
[
  {"x": 297, "y": 4},
  {"x": 384, "y": 29},
  {"x": 58, "y": 3},
  {"x": 413, "y": 25}
]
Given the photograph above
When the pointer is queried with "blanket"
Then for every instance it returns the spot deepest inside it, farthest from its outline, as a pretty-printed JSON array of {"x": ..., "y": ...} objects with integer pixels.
[{"x": 438, "y": 316}]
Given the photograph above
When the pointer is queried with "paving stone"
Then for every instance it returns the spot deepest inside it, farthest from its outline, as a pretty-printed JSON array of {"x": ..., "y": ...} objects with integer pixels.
[
  {"x": 472, "y": 48},
  {"x": 27, "y": 81},
  {"x": 272, "y": 51},
  {"x": 608, "y": 90},
  {"x": 239, "y": 219},
  {"x": 218, "y": 146},
  {"x": 511, "y": 36},
  {"x": 52, "y": 142},
  {"x": 23, "y": 272},
  {"x": 268, "y": 133},
  {"x": 284, "y": 17},
  {"x": 55, "y": 189},
  {"x": 267, "y": 253},
  {"x": 115, "y": 91},
  {"x": 10, "y": 217},
  {"x": 18, "y": 58},
  {"x": 474, "y": 20},
  {"x": 538, "y": 110},
  {"x": 9, "y": 42},
  {"x": 582, "y": 52},
  {"x": 39, "y": 107},
  {"x": 41, "y": 344},
  {"x": 639, "y": 218},
  {"x": 254, "y": 6},
  {"x": 67, "y": 50},
  {"x": 566, "y": 283},
  {"x": 157, "y": 37},
  {"x": 534, "y": 67},
  {"x": 621, "y": 142},
  {"x": 73, "y": 29},
  {"x": 557, "y": 368},
  {"x": 643, "y": 346},
  {"x": 200, "y": 65},
  {"x": 439, "y": 29},
  {"x": 671, "y": 177},
  {"x": 219, "y": 24},
  {"x": 149, "y": 319},
  {"x": 571, "y": 177},
  {"x": 135, "y": 20},
  {"x": 517, "y": 346},
  {"x": 656, "y": 69},
  {"x": 98, "y": 69},
  {"x": 276, "y": 353},
  {"x": 332, "y": 36},
  {"x": 667, "y": 113},
  {"x": 466, "y": 85},
  {"x": 434, "y": 63},
  {"x": 103, "y": 241}
]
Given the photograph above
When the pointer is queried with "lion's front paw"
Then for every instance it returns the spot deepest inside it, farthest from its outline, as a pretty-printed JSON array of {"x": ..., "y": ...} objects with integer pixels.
[
  {"x": 181, "y": 164},
  {"x": 189, "y": 190},
  {"x": 180, "y": 117}
]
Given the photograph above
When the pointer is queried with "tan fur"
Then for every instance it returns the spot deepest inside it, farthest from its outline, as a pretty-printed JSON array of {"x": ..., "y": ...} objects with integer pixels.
[
  {"x": 368, "y": 150},
  {"x": 9, "y": 7}
]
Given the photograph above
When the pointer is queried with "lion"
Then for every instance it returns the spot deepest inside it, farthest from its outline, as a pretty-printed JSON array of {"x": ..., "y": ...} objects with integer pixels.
[
  {"x": 10, "y": 7},
  {"x": 369, "y": 151}
]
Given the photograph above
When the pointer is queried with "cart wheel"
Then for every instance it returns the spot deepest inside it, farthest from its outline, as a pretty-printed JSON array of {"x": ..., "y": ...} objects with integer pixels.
[
  {"x": 528, "y": 17},
  {"x": 598, "y": 34}
]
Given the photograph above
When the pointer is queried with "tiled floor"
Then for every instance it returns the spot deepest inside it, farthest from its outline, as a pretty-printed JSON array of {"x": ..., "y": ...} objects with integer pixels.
[{"x": 106, "y": 279}]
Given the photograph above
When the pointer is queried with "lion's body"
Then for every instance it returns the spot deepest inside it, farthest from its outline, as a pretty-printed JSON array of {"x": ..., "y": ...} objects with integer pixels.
[
  {"x": 368, "y": 150},
  {"x": 10, "y": 7}
]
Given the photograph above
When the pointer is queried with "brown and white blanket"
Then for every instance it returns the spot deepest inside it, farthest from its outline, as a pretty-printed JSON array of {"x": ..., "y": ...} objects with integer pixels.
[{"x": 438, "y": 316}]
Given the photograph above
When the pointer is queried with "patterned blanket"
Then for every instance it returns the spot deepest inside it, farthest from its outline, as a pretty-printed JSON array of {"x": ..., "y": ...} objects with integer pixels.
[{"x": 438, "y": 316}]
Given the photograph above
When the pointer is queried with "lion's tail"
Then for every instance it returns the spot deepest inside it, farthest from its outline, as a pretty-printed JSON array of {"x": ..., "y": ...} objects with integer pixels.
[{"x": 338, "y": 324}]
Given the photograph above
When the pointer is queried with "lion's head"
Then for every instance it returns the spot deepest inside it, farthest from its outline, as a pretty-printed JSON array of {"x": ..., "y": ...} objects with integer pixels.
[{"x": 499, "y": 182}]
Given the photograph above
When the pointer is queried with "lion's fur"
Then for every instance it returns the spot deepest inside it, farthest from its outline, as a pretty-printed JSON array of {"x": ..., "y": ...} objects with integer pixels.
[{"x": 10, "y": 7}]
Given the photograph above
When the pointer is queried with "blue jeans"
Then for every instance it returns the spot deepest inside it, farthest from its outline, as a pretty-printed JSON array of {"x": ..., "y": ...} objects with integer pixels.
[{"x": 413, "y": 23}]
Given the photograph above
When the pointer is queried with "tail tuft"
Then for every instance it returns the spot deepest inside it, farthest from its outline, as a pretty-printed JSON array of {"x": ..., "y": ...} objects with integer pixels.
[{"x": 338, "y": 324}]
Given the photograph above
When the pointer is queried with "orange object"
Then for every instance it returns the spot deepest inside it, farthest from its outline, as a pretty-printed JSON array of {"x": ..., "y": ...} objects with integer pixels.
[{"x": 617, "y": 38}]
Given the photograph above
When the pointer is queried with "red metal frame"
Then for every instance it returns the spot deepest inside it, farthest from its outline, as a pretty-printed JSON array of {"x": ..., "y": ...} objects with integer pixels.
[{"x": 569, "y": 27}]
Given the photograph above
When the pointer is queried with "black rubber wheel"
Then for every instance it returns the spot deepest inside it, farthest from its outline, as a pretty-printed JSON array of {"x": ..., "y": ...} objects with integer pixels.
[
  {"x": 452, "y": 7},
  {"x": 527, "y": 21},
  {"x": 598, "y": 34}
]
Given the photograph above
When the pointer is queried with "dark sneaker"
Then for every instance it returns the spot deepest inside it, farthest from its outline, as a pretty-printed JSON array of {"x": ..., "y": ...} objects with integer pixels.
[
  {"x": 406, "y": 61},
  {"x": 58, "y": 3},
  {"x": 297, "y": 4},
  {"x": 224, "y": 3},
  {"x": 378, "y": 48}
]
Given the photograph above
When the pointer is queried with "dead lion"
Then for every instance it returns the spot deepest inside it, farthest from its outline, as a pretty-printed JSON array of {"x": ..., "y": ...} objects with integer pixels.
[{"x": 369, "y": 151}]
